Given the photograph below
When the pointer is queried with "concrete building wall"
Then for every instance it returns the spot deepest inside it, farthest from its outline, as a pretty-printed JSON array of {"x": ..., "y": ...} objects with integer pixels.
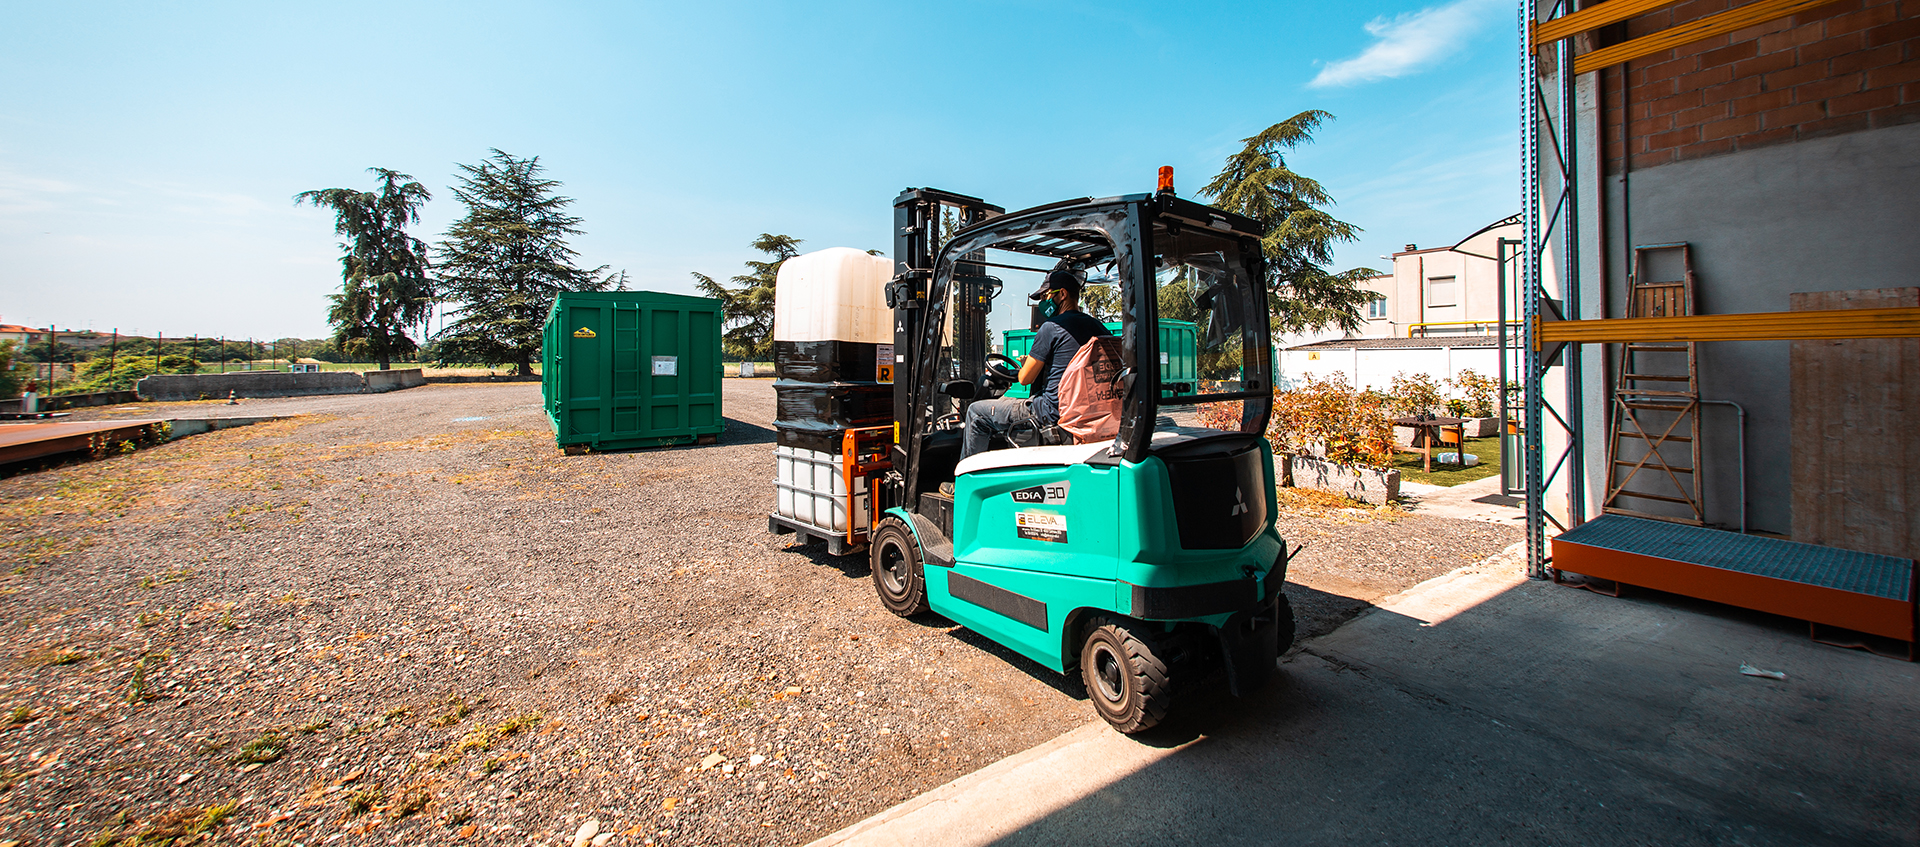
[
  {"x": 1788, "y": 156},
  {"x": 1828, "y": 214}
]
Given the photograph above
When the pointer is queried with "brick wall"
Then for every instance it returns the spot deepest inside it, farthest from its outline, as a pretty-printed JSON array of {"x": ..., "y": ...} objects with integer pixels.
[{"x": 1845, "y": 67}]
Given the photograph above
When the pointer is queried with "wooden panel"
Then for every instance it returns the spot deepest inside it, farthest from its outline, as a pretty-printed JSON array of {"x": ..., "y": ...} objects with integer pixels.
[
  {"x": 1677, "y": 36},
  {"x": 1856, "y": 432}
]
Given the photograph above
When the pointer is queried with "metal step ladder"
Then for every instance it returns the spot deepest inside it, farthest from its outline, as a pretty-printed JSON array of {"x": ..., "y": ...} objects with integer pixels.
[{"x": 1654, "y": 452}]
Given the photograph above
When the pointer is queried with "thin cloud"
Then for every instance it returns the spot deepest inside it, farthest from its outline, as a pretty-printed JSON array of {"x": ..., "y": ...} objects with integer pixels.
[{"x": 1408, "y": 43}]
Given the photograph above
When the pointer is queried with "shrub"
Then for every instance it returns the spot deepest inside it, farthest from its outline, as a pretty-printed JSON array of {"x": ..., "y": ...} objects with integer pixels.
[
  {"x": 1477, "y": 391},
  {"x": 1415, "y": 394},
  {"x": 11, "y": 378},
  {"x": 1224, "y": 415},
  {"x": 1354, "y": 426}
]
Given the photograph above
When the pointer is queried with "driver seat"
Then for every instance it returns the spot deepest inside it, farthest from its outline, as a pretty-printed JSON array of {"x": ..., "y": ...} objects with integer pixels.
[{"x": 1029, "y": 434}]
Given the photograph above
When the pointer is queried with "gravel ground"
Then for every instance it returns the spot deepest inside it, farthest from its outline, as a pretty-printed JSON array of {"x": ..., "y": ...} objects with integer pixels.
[{"x": 407, "y": 618}]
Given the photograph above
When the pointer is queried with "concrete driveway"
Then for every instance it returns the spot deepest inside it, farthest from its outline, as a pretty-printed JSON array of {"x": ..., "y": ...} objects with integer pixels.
[{"x": 1483, "y": 708}]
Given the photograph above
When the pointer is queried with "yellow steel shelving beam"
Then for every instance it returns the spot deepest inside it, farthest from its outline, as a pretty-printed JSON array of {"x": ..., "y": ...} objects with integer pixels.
[
  {"x": 1757, "y": 326},
  {"x": 1595, "y": 17},
  {"x": 1589, "y": 19},
  {"x": 1687, "y": 33}
]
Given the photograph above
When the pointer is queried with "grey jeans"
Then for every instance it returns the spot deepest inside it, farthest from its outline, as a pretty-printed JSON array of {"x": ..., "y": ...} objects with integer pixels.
[{"x": 987, "y": 418}]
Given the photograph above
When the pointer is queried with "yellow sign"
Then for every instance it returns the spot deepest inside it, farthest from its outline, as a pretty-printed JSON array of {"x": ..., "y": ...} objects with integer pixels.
[{"x": 583, "y": 332}]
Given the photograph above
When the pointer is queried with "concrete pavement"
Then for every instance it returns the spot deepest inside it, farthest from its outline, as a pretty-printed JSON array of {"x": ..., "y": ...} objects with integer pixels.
[
  {"x": 1479, "y": 500},
  {"x": 1479, "y": 708}
]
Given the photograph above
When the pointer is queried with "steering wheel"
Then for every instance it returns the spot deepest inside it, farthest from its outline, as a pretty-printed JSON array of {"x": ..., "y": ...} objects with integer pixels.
[{"x": 1002, "y": 368}]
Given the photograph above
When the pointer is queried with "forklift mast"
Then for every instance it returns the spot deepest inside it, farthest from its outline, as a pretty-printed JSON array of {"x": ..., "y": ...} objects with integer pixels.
[{"x": 916, "y": 244}]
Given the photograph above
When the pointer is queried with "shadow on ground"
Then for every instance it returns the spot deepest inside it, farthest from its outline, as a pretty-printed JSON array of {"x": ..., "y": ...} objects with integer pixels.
[{"x": 1543, "y": 715}]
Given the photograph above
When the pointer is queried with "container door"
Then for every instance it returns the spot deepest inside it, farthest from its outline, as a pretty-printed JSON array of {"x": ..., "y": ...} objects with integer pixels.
[{"x": 583, "y": 371}]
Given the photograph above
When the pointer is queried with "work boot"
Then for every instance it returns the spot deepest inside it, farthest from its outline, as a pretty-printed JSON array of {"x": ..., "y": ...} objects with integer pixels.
[{"x": 946, "y": 488}]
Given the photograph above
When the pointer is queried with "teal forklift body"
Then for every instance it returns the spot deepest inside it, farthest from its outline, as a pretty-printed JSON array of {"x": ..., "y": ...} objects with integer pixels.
[{"x": 1037, "y": 547}]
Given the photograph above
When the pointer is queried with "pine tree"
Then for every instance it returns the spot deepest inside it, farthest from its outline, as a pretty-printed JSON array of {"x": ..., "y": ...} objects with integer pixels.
[
  {"x": 505, "y": 260},
  {"x": 1256, "y": 182},
  {"x": 384, "y": 286},
  {"x": 748, "y": 310}
]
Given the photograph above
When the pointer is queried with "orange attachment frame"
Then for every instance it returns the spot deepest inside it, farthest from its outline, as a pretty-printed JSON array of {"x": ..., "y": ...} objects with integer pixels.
[{"x": 863, "y": 455}]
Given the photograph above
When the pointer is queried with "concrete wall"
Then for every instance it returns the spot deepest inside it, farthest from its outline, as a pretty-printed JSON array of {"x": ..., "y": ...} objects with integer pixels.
[
  {"x": 1377, "y": 368},
  {"x": 72, "y": 401},
  {"x": 247, "y": 384},
  {"x": 1828, "y": 214},
  {"x": 378, "y": 381}
]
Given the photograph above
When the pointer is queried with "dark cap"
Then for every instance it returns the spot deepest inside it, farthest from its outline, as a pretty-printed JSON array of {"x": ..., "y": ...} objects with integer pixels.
[{"x": 1059, "y": 279}]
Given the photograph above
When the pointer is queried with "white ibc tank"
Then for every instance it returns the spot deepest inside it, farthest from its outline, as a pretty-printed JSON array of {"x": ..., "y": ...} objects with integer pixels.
[
  {"x": 811, "y": 490},
  {"x": 836, "y": 294}
]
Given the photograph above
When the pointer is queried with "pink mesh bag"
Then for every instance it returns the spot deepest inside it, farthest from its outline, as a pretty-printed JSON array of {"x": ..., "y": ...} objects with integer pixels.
[{"x": 1089, "y": 398}]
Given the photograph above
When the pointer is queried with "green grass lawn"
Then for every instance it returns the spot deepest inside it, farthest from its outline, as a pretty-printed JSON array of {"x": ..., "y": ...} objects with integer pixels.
[{"x": 1488, "y": 449}]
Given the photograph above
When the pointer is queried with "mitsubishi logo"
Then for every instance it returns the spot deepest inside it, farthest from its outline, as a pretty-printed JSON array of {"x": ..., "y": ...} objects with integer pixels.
[{"x": 1240, "y": 507}]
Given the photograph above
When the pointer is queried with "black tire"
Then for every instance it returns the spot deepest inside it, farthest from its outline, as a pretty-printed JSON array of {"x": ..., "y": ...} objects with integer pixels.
[
  {"x": 894, "y": 556},
  {"x": 1283, "y": 614},
  {"x": 1128, "y": 674}
]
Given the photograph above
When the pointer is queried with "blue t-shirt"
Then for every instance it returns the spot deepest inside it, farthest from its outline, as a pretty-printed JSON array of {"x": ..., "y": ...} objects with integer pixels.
[{"x": 1058, "y": 338}]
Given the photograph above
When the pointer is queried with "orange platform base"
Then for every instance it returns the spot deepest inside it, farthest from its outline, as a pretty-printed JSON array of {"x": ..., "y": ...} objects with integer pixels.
[{"x": 1857, "y": 591}]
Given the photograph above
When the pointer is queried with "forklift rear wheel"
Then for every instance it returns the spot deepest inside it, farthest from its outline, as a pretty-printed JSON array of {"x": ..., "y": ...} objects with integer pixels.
[
  {"x": 1283, "y": 612},
  {"x": 1128, "y": 675},
  {"x": 897, "y": 574}
]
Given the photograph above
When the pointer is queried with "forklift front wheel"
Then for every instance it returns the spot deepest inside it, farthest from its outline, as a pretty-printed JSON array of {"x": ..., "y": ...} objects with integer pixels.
[
  {"x": 1128, "y": 675},
  {"x": 897, "y": 575}
]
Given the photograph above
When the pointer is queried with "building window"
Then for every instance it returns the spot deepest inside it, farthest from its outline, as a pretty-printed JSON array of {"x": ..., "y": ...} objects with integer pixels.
[
  {"x": 1377, "y": 307},
  {"x": 1443, "y": 291}
]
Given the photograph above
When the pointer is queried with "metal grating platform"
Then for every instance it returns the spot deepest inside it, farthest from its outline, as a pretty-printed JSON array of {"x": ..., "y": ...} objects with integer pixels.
[
  {"x": 1809, "y": 564},
  {"x": 1861, "y": 592}
]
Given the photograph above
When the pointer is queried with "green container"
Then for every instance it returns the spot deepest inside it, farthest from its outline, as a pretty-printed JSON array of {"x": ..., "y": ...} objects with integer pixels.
[
  {"x": 627, "y": 369},
  {"x": 1179, "y": 355}
]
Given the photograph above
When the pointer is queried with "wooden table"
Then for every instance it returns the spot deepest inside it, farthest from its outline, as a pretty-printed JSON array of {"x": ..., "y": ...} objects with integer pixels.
[{"x": 1427, "y": 431}]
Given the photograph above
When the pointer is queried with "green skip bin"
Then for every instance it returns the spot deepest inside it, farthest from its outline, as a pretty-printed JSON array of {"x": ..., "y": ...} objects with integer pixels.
[{"x": 629, "y": 369}]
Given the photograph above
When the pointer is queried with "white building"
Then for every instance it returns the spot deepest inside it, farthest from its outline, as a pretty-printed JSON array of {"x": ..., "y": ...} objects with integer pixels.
[{"x": 1438, "y": 313}]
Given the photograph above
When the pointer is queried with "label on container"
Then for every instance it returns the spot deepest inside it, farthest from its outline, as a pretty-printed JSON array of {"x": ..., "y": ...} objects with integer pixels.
[
  {"x": 584, "y": 332},
  {"x": 1041, "y": 526},
  {"x": 883, "y": 363},
  {"x": 1163, "y": 357},
  {"x": 666, "y": 366}
]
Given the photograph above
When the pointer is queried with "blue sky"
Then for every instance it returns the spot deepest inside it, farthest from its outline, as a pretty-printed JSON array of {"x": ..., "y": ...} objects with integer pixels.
[{"x": 149, "y": 152}]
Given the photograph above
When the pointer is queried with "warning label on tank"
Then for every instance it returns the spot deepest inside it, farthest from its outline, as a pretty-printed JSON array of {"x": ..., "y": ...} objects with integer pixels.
[
  {"x": 1041, "y": 526},
  {"x": 584, "y": 332}
]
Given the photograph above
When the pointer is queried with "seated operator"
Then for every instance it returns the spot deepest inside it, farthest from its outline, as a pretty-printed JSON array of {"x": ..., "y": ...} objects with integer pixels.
[{"x": 1055, "y": 341}]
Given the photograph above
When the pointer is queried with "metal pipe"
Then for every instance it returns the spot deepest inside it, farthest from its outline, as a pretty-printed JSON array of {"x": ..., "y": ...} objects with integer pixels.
[
  {"x": 1410, "y": 327},
  {"x": 1742, "y": 464}
]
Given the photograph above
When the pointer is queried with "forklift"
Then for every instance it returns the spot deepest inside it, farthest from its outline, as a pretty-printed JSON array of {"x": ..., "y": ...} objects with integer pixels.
[{"x": 1148, "y": 561}]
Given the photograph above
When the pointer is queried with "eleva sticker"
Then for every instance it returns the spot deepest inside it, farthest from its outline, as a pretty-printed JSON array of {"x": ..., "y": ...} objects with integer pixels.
[{"x": 1041, "y": 526}]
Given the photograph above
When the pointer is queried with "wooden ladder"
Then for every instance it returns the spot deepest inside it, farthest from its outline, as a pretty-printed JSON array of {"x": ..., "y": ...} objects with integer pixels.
[{"x": 1656, "y": 409}]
